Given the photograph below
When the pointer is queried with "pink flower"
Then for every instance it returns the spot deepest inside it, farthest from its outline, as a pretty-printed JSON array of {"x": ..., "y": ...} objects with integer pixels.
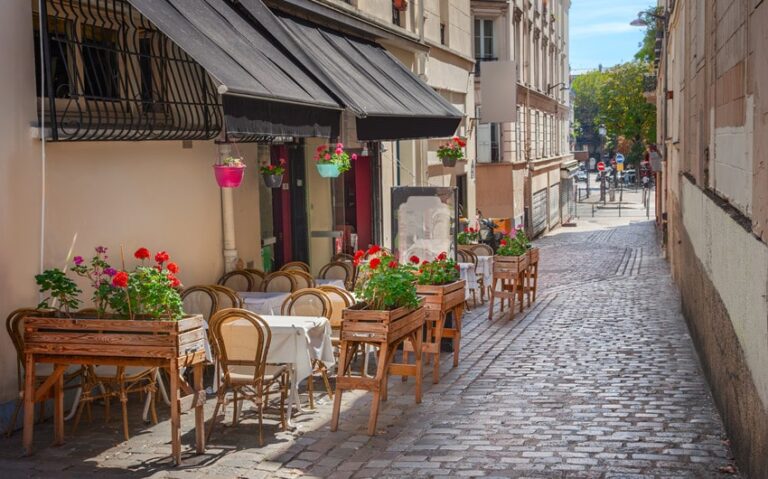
[
  {"x": 316, "y": 157},
  {"x": 339, "y": 146},
  {"x": 327, "y": 156},
  {"x": 78, "y": 260},
  {"x": 282, "y": 162},
  {"x": 339, "y": 151},
  {"x": 354, "y": 156}
]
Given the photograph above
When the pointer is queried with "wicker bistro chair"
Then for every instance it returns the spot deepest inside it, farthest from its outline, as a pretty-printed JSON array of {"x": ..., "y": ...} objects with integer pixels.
[
  {"x": 200, "y": 300},
  {"x": 300, "y": 265},
  {"x": 303, "y": 279},
  {"x": 338, "y": 270},
  {"x": 311, "y": 302},
  {"x": 227, "y": 297},
  {"x": 466, "y": 256},
  {"x": 279, "y": 281},
  {"x": 239, "y": 280},
  {"x": 481, "y": 249},
  {"x": 72, "y": 377},
  {"x": 343, "y": 257},
  {"x": 241, "y": 351},
  {"x": 258, "y": 278}
]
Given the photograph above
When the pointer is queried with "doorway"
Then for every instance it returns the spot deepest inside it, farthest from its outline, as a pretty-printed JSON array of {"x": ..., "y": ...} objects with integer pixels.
[{"x": 289, "y": 206}]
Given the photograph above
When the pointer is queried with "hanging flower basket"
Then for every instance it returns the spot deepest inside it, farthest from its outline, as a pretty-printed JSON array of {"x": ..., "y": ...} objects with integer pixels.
[
  {"x": 451, "y": 152},
  {"x": 229, "y": 174},
  {"x": 332, "y": 162},
  {"x": 328, "y": 170},
  {"x": 273, "y": 181},
  {"x": 273, "y": 174}
]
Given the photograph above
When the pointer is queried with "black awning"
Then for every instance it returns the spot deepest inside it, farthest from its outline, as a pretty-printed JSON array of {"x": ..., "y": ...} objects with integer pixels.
[
  {"x": 390, "y": 102},
  {"x": 266, "y": 91}
]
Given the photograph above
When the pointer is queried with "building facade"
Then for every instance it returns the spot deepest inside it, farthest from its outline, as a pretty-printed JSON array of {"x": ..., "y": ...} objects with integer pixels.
[
  {"x": 519, "y": 162},
  {"x": 712, "y": 96},
  {"x": 112, "y": 142}
]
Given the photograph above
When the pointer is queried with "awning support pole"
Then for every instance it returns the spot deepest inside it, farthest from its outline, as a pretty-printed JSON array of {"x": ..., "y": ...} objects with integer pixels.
[{"x": 228, "y": 219}]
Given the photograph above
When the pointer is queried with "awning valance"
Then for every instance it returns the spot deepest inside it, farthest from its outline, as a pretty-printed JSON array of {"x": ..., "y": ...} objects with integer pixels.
[
  {"x": 389, "y": 101},
  {"x": 266, "y": 92}
]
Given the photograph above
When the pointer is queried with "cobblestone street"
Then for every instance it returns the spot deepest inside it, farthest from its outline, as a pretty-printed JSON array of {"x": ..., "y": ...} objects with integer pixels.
[{"x": 599, "y": 379}]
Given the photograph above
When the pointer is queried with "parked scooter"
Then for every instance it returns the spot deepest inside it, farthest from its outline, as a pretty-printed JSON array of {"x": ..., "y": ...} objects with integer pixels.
[{"x": 487, "y": 235}]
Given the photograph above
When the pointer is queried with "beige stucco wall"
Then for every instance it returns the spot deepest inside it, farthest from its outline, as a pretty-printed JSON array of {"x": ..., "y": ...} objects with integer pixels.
[
  {"x": 319, "y": 209},
  {"x": 152, "y": 194},
  {"x": 737, "y": 264},
  {"x": 20, "y": 179}
]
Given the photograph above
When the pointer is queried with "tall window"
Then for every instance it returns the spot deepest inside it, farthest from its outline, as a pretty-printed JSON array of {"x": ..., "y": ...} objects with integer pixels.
[
  {"x": 101, "y": 72},
  {"x": 484, "y": 39},
  {"x": 61, "y": 58}
]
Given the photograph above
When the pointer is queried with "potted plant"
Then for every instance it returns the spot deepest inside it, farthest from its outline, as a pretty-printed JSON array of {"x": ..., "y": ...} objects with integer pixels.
[
  {"x": 439, "y": 283},
  {"x": 138, "y": 319},
  {"x": 331, "y": 162},
  {"x": 509, "y": 269},
  {"x": 468, "y": 237},
  {"x": 273, "y": 174},
  {"x": 390, "y": 312},
  {"x": 229, "y": 174},
  {"x": 451, "y": 152}
]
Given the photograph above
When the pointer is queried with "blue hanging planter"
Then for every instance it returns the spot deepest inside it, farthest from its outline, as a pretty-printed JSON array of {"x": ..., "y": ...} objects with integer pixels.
[{"x": 328, "y": 170}]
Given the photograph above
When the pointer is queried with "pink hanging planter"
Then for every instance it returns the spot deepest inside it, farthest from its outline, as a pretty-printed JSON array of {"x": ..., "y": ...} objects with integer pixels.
[{"x": 229, "y": 176}]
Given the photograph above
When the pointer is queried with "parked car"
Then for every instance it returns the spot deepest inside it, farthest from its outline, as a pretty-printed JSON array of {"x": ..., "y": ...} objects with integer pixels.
[
  {"x": 630, "y": 177},
  {"x": 581, "y": 175}
]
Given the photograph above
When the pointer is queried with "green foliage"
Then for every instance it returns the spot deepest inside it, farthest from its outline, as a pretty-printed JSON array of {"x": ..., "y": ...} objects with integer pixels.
[
  {"x": 443, "y": 270},
  {"x": 614, "y": 98},
  {"x": 386, "y": 284},
  {"x": 150, "y": 294},
  {"x": 468, "y": 236},
  {"x": 646, "y": 53},
  {"x": 516, "y": 245},
  {"x": 62, "y": 291},
  {"x": 99, "y": 274}
]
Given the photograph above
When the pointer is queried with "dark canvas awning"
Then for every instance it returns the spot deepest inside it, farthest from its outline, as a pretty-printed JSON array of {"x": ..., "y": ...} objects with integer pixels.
[
  {"x": 266, "y": 92},
  {"x": 390, "y": 102}
]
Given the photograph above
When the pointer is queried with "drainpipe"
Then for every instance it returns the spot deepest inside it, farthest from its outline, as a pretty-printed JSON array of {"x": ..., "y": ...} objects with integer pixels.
[
  {"x": 227, "y": 218},
  {"x": 421, "y": 21}
]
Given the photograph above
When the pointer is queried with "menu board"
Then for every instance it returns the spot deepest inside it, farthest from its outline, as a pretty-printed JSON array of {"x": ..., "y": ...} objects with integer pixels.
[{"x": 424, "y": 221}]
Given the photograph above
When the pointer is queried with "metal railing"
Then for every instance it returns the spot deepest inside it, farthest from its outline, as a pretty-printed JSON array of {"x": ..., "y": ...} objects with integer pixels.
[{"x": 110, "y": 74}]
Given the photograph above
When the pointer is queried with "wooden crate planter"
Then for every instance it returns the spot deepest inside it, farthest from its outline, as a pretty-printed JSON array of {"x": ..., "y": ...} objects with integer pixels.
[
  {"x": 532, "y": 275},
  {"x": 118, "y": 342},
  {"x": 438, "y": 302},
  {"x": 386, "y": 330},
  {"x": 508, "y": 281}
]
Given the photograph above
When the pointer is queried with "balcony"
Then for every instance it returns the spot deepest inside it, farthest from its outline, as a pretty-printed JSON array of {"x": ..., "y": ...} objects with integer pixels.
[
  {"x": 649, "y": 87},
  {"x": 480, "y": 60}
]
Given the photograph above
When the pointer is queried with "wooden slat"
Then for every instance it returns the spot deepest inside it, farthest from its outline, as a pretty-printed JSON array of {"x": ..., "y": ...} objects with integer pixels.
[
  {"x": 189, "y": 323},
  {"x": 368, "y": 384},
  {"x": 398, "y": 369},
  {"x": 113, "y": 325},
  {"x": 191, "y": 401},
  {"x": 43, "y": 389},
  {"x": 101, "y": 350},
  {"x": 117, "y": 339},
  {"x": 191, "y": 336}
]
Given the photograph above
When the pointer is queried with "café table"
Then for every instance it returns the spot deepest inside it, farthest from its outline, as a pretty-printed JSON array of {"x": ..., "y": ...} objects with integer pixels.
[
  {"x": 296, "y": 341},
  {"x": 339, "y": 283},
  {"x": 485, "y": 269},
  {"x": 261, "y": 302}
]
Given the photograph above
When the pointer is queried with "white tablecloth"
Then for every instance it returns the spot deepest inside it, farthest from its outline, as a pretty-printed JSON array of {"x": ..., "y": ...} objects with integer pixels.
[
  {"x": 467, "y": 273},
  {"x": 263, "y": 302},
  {"x": 485, "y": 268},
  {"x": 296, "y": 341},
  {"x": 339, "y": 283}
]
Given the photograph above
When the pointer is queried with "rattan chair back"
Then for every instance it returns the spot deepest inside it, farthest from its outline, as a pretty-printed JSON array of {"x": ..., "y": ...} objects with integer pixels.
[
  {"x": 300, "y": 265},
  {"x": 258, "y": 278},
  {"x": 279, "y": 281},
  {"x": 340, "y": 300},
  {"x": 303, "y": 279},
  {"x": 337, "y": 270},
  {"x": 482, "y": 250},
  {"x": 200, "y": 299},
  {"x": 226, "y": 297},
  {"x": 307, "y": 302},
  {"x": 240, "y": 348},
  {"x": 238, "y": 280}
]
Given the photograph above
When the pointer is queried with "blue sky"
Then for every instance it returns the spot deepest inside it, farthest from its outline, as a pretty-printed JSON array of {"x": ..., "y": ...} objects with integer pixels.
[{"x": 600, "y": 32}]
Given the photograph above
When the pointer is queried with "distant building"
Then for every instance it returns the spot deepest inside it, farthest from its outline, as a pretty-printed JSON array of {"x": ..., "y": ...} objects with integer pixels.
[{"x": 520, "y": 163}]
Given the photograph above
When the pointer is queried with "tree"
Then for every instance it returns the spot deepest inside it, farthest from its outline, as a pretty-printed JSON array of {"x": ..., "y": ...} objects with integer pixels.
[
  {"x": 586, "y": 108},
  {"x": 647, "y": 46},
  {"x": 623, "y": 108}
]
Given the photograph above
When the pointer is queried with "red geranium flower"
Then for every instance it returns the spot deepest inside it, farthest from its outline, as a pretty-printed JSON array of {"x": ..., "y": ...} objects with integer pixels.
[
  {"x": 457, "y": 267},
  {"x": 172, "y": 267},
  {"x": 359, "y": 253},
  {"x": 442, "y": 256},
  {"x": 120, "y": 280},
  {"x": 503, "y": 242},
  {"x": 374, "y": 249},
  {"x": 142, "y": 253},
  {"x": 175, "y": 283},
  {"x": 374, "y": 263},
  {"x": 162, "y": 257},
  {"x": 393, "y": 264},
  {"x": 467, "y": 230},
  {"x": 414, "y": 259},
  {"x": 424, "y": 262}
]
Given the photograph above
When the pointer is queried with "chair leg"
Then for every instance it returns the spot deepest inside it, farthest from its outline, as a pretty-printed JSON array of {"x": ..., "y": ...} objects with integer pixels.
[
  {"x": 124, "y": 407},
  {"x": 492, "y": 297},
  {"x": 235, "y": 409},
  {"x": 283, "y": 395},
  {"x": 261, "y": 424},
  {"x": 213, "y": 419},
  {"x": 311, "y": 391},
  {"x": 14, "y": 416},
  {"x": 324, "y": 373}
]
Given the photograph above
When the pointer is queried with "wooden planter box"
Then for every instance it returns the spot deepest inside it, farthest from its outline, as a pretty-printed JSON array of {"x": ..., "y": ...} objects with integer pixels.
[
  {"x": 438, "y": 301},
  {"x": 509, "y": 274},
  {"x": 533, "y": 256},
  {"x": 85, "y": 340},
  {"x": 386, "y": 330}
]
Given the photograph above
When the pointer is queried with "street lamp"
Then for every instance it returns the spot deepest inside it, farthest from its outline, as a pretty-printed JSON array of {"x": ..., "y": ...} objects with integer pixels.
[{"x": 642, "y": 19}]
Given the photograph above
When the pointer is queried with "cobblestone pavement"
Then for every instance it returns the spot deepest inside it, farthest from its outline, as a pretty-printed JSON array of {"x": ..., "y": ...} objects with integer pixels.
[{"x": 598, "y": 379}]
